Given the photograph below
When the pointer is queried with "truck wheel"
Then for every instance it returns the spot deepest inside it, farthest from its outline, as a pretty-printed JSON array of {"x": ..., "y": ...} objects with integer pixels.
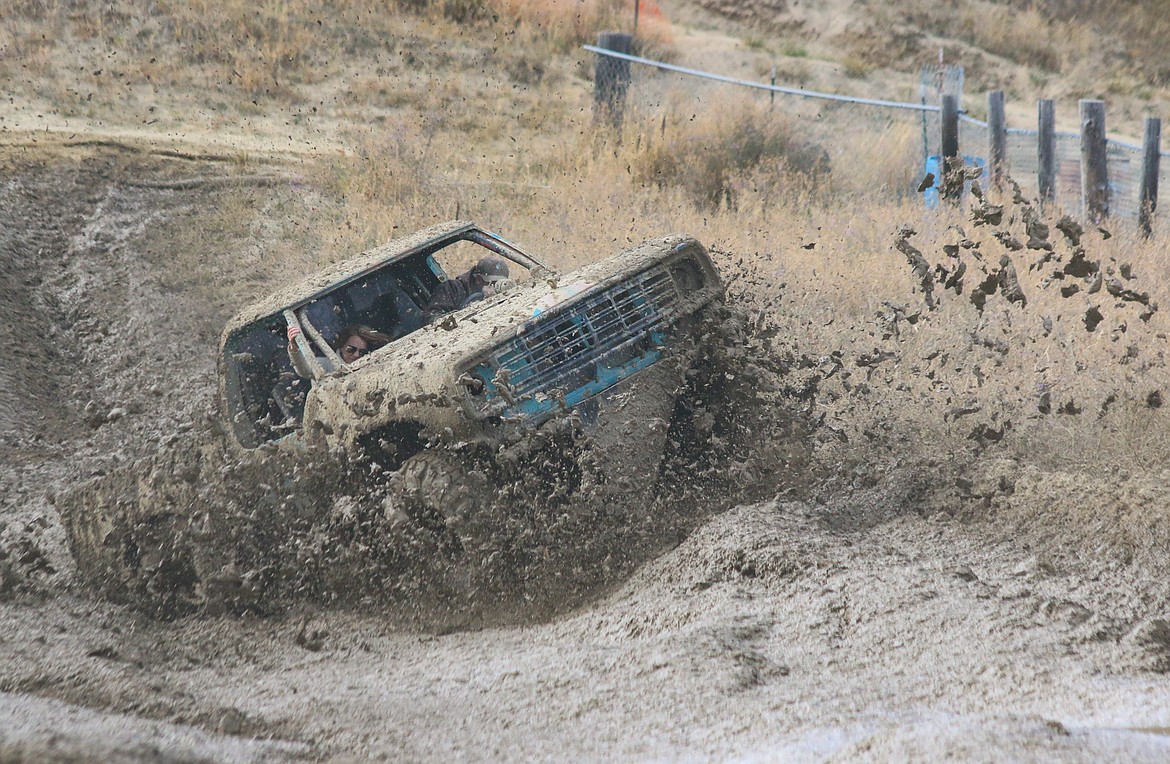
[{"x": 447, "y": 494}]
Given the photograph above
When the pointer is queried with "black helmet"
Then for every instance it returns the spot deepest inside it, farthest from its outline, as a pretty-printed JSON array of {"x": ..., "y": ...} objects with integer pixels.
[{"x": 491, "y": 269}]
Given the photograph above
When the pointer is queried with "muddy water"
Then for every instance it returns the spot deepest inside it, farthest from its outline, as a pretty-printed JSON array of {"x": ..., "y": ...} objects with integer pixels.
[{"x": 908, "y": 602}]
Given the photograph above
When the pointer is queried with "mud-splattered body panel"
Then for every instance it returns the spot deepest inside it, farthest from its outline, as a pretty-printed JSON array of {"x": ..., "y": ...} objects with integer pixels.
[{"x": 508, "y": 362}]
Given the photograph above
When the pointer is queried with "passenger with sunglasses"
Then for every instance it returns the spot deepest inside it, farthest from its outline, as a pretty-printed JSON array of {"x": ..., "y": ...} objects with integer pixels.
[{"x": 353, "y": 343}]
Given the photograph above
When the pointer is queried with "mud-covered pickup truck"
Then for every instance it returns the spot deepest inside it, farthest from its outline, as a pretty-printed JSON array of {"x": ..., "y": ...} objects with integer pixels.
[
  {"x": 545, "y": 345},
  {"x": 555, "y": 386}
]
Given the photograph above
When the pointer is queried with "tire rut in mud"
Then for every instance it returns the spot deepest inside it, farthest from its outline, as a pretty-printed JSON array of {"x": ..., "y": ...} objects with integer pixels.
[
  {"x": 104, "y": 358},
  {"x": 35, "y": 231}
]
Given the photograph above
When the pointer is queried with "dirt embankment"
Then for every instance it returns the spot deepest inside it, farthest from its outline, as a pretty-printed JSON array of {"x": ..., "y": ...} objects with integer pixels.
[{"x": 943, "y": 588}]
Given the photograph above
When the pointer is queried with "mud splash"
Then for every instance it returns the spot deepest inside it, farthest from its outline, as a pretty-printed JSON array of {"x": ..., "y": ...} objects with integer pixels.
[{"x": 465, "y": 535}]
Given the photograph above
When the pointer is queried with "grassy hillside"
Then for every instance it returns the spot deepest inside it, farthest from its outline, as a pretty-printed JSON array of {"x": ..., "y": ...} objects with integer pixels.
[
  {"x": 494, "y": 95},
  {"x": 379, "y": 118},
  {"x": 1063, "y": 50}
]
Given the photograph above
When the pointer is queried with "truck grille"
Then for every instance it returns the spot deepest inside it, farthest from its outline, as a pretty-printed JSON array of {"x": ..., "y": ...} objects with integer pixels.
[{"x": 575, "y": 346}]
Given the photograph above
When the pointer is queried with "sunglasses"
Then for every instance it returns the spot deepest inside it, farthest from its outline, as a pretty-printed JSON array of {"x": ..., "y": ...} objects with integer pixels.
[{"x": 354, "y": 350}]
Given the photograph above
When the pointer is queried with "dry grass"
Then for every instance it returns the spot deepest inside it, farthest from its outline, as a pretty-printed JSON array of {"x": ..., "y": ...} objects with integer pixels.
[
  {"x": 1030, "y": 381},
  {"x": 566, "y": 24},
  {"x": 513, "y": 146},
  {"x": 824, "y": 268},
  {"x": 248, "y": 51},
  {"x": 856, "y": 67},
  {"x": 1025, "y": 36},
  {"x": 1136, "y": 34},
  {"x": 716, "y": 158},
  {"x": 888, "y": 168}
]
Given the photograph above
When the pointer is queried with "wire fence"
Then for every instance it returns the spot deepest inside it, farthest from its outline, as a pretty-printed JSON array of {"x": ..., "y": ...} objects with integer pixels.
[
  {"x": 849, "y": 124},
  {"x": 1124, "y": 163}
]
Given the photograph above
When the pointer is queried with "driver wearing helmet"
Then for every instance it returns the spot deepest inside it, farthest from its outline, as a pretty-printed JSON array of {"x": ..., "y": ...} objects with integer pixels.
[{"x": 483, "y": 280}]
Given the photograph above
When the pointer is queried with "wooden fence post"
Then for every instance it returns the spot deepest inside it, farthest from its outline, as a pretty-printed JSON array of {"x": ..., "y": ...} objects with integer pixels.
[
  {"x": 612, "y": 78},
  {"x": 1151, "y": 153},
  {"x": 1094, "y": 171},
  {"x": 997, "y": 135},
  {"x": 950, "y": 165},
  {"x": 1046, "y": 143}
]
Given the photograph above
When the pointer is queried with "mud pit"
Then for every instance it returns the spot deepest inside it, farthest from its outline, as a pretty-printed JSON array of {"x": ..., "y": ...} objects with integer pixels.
[{"x": 931, "y": 590}]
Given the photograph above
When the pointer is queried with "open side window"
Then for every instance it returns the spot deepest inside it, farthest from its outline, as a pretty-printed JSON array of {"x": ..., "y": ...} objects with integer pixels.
[
  {"x": 265, "y": 397},
  {"x": 255, "y": 362}
]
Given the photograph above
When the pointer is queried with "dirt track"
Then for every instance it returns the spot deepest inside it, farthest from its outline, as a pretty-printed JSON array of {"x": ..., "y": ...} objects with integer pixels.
[{"x": 874, "y": 617}]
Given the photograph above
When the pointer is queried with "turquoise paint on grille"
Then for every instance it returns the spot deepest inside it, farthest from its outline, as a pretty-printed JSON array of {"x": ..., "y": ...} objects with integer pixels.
[{"x": 631, "y": 351}]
